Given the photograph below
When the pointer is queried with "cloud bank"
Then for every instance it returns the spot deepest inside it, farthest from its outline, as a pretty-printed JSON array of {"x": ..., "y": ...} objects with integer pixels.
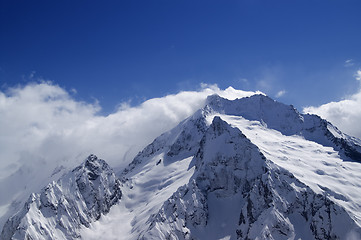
[
  {"x": 43, "y": 121},
  {"x": 345, "y": 114},
  {"x": 42, "y": 128}
]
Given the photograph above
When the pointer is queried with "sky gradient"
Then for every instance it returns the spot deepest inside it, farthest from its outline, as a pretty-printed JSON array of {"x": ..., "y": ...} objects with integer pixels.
[{"x": 130, "y": 51}]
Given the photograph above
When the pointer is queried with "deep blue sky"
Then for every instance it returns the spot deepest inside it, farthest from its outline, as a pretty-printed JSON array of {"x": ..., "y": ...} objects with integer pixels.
[{"x": 119, "y": 50}]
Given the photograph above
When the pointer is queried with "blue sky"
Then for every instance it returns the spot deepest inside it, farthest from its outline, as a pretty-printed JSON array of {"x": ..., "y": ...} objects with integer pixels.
[{"x": 117, "y": 51}]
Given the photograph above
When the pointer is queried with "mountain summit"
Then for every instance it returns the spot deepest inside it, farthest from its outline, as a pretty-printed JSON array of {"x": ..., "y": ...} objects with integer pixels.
[
  {"x": 251, "y": 168},
  {"x": 62, "y": 207}
]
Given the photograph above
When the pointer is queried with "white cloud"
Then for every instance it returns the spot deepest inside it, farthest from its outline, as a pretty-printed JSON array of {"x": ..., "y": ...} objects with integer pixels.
[
  {"x": 264, "y": 84},
  {"x": 32, "y": 74},
  {"x": 269, "y": 77},
  {"x": 349, "y": 63},
  {"x": 244, "y": 81},
  {"x": 280, "y": 93},
  {"x": 42, "y": 126},
  {"x": 345, "y": 114},
  {"x": 358, "y": 75},
  {"x": 73, "y": 91}
]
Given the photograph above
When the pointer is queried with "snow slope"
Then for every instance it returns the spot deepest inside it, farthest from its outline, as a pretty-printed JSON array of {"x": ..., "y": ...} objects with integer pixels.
[
  {"x": 288, "y": 121},
  {"x": 319, "y": 167},
  {"x": 152, "y": 177}
]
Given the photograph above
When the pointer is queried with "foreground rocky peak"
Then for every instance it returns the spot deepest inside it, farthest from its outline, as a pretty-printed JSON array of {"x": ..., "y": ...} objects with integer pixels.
[{"x": 63, "y": 207}]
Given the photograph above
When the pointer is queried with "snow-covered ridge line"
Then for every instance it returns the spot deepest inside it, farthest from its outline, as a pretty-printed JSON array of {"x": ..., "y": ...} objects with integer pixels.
[
  {"x": 63, "y": 207},
  {"x": 183, "y": 139},
  {"x": 287, "y": 120}
]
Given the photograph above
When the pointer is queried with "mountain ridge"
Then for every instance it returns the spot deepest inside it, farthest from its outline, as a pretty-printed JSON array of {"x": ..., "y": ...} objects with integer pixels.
[{"x": 62, "y": 207}]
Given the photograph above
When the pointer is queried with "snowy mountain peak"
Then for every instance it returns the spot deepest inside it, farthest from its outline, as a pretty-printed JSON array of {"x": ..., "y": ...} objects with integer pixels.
[
  {"x": 287, "y": 120},
  {"x": 93, "y": 167},
  {"x": 63, "y": 207},
  {"x": 275, "y": 115}
]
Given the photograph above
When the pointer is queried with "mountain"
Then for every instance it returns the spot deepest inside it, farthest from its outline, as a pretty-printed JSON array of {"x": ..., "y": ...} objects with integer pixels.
[
  {"x": 259, "y": 200},
  {"x": 251, "y": 168},
  {"x": 62, "y": 207},
  {"x": 287, "y": 120}
]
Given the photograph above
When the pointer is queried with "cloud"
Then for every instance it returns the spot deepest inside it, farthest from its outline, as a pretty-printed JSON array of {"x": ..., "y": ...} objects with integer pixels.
[
  {"x": 32, "y": 74},
  {"x": 280, "y": 93},
  {"x": 264, "y": 85},
  {"x": 269, "y": 79},
  {"x": 358, "y": 75},
  {"x": 244, "y": 81},
  {"x": 42, "y": 127},
  {"x": 345, "y": 114},
  {"x": 349, "y": 63}
]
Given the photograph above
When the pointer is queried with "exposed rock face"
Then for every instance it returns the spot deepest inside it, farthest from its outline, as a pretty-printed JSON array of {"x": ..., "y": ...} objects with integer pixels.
[
  {"x": 187, "y": 208},
  {"x": 61, "y": 208}
]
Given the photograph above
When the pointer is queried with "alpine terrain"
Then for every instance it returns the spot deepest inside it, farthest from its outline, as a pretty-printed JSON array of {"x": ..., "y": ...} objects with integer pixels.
[{"x": 249, "y": 168}]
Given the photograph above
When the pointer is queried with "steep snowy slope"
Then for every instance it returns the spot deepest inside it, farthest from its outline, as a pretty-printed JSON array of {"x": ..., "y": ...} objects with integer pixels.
[
  {"x": 152, "y": 177},
  {"x": 62, "y": 207},
  {"x": 236, "y": 193},
  {"x": 319, "y": 167},
  {"x": 251, "y": 168},
  {"x": 287, "y": 120}
]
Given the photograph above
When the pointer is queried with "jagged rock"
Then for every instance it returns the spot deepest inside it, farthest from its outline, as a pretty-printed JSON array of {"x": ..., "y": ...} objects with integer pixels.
[
  {"x": 187, "y": 207},
  {"x": 62, "y": 207}
]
